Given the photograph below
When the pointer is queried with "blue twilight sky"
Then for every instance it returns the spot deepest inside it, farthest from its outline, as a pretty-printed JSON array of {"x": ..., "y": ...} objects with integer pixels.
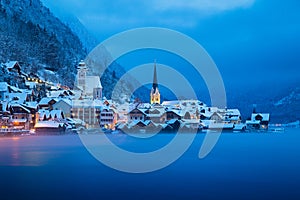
[{"x": 253, "y": 42}]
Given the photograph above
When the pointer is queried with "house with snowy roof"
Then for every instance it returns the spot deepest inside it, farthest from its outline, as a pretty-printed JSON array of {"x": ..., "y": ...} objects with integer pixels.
[
  {"x": 47, "y": 103},
  {"x": 21, "y": 116},
  {"x": 156, "y": 114},
  {"x": 174, "y": 114},
  {"x": 232, "y": 116},
  {"x": 13, "y": 66},
  {"x": 259, "y": 121},
  {"x": 50, "y": 128},
  {"x": 65, "y": 105},
  {"x": 108, "y": 117}
]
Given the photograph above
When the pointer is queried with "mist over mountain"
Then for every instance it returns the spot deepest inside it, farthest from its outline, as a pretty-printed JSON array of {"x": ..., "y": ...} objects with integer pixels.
[
  {"x": 282, "y": 101},
  {"x": 51, "y": 47},
  {"x": 32, "y": 35},
  {"x": 88, "y": 41}
]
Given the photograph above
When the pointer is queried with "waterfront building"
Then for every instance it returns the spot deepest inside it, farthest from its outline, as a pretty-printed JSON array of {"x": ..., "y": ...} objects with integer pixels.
[
  {"x": 259, "y": 121},
  {"x": 108, "y": 117}
]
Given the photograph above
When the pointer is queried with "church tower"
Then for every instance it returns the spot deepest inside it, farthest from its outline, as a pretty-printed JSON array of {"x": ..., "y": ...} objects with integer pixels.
[
  {"x": 81, "y": 77},
  {"x": 154, "y": 94}
]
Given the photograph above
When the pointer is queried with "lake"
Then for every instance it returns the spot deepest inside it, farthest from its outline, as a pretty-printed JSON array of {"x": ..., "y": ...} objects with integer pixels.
[{"x": 241, "y": 166}]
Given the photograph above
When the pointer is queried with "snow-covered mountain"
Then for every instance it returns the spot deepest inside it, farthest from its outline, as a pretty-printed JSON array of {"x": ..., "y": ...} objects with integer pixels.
[
  {"x": 281, "y": 101},
  {"x": 88, "y": 40},
  {"x": 30, "y": 34},
  {"x": 50, "y": 48}
]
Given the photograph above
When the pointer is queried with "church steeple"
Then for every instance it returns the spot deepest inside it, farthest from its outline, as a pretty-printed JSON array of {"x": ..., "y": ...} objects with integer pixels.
[
  {"x": 154, "y": 85},
  {"x": 155, "y": 95}
]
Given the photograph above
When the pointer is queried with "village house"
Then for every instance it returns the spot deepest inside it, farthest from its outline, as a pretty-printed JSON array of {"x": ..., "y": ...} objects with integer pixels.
[
  {"x": 156, "y": 114},
  {"x": 108, "y": 117},
  {"x": 259, "y": 121},
  {"x": 21, "y": 116},
  {"x": 137, "y": 114},
  {"x": 232, "y": 116},
  {"x": 174, "y": 114},
  {"x": 13, "y": 66},
  {"x": 65, "y": 105},
  {"x": 47, "y": 103}
]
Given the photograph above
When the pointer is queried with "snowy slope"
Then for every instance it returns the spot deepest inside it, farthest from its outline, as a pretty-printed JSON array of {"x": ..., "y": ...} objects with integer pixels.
[{"x": 31, "y": 34}]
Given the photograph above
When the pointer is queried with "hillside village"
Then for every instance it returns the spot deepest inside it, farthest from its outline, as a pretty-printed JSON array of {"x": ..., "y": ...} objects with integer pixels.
[{"x": 36, "y": 106}]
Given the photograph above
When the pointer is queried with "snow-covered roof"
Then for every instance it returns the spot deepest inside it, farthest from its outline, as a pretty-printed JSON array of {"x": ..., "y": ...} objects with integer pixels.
[
  {"x": 156, "y": 112},
  {"x": 76, "y": 94},
  {"x": 11, "y": 64},
  {"x": 55, "y": 94},
  {"x": 234, "y": 112},
  {"x": 15, "y": 89},
  {"x": 265, "y": 116},
  {"x": 48, "y": 124},
  {"x": 239, "y": 126},
  {"x": 3, "y": 87},
  {"x": 18, "y": 105},
  {"x": 176, "y": 111},
  {"x": 171, "y": 103},
  {"x": 32, "y": 104},
  {"x": 46, "y": 100},
  {"x": 236, "y": 118},
  {"x": 252, "y": 122},
  {"x": 65, "y": 100},
  {"x": 17, "y": 97},
  {"x": 139, "y": 109}
]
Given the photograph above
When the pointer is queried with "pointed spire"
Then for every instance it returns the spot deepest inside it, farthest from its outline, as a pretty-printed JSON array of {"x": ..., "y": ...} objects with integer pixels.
[{"x": 155, "y": 84}]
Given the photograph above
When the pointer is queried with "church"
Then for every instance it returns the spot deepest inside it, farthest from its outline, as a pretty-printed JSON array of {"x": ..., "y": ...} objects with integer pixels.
[
  {"x": 89, "y": 85},
  {"x": 154, "y": 94}
]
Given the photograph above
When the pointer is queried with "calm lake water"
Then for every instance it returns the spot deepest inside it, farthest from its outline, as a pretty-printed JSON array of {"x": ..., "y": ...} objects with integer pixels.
[{"x": 241, "y": 166}]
